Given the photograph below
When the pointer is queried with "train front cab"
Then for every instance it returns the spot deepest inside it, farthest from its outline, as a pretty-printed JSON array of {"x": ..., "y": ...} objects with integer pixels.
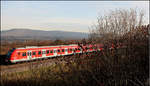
[
  {"x": 10, "y": 55},
  {"x": 18, "y": 55}
]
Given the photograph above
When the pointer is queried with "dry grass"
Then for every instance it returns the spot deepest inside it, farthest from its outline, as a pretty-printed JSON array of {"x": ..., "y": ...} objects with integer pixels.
[{"x": 93, "y": 69}]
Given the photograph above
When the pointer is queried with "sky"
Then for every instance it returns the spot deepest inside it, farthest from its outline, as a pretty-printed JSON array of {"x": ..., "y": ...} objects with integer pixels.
[{"x": 77, "y": 16}]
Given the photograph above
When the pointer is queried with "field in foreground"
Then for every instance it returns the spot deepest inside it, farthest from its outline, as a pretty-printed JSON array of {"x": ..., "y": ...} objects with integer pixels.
[{"x": 92, "y": 69}]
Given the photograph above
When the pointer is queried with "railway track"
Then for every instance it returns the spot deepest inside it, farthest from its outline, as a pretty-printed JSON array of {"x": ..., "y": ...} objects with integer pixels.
[{"x": 25, "y": 66}]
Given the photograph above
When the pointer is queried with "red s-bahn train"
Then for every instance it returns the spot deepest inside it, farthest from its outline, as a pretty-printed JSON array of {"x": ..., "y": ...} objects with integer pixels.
[{"x": 35, "y": 52}]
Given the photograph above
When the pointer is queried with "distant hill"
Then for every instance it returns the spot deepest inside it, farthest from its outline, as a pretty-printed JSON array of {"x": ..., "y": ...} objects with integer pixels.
[{"x": 26, "y": 34}]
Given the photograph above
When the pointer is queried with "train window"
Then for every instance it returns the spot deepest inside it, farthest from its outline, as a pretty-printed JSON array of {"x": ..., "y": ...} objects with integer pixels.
[
  {"x": 24, "y": 54},
  {"x": 63, "y": 50},
  {"x": 58, "y": 51},
  {"x": 39, "y": 52},
  {"x": 47, "y": 51},
  {"x": 28, "y": 54},
  {"x": 34, "y": 53},
  {"x": 19, "y": 53},
  {"x": 76, "y": 49},
  {"x": 51, "y": 51},
  {"x": 66, "y": 50},
  {"x": 70, "y": 49},
  {"x": 43, "y": 52}
]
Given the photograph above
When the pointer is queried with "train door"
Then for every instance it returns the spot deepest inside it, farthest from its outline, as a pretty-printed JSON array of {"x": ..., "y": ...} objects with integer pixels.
[
  {"x": 29, "y": 55},
  {"x": 55, "y": 52},
  {"x": 43, "y": 53},
  {"x": 66, "y": 51}
]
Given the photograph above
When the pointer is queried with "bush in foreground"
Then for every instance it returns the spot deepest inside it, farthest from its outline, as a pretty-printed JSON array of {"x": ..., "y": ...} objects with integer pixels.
[{"x": 92, "y": 69}]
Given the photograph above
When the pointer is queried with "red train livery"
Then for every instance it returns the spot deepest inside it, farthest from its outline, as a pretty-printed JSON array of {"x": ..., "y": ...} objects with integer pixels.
[{"x": 36, "y": 52}]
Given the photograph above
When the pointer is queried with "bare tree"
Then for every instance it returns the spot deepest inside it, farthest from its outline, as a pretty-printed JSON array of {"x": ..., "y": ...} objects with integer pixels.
[
  {"x": 116, "y": 26},
  {"x": 117, "y": 23}
]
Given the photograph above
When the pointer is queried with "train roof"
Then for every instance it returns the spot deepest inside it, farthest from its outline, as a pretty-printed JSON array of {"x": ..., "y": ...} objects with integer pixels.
[{"x": 27, "y": 47}]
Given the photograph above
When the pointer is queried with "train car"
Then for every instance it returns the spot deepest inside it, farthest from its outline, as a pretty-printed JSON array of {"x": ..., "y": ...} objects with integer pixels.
[{"x": 36, "y": 52}]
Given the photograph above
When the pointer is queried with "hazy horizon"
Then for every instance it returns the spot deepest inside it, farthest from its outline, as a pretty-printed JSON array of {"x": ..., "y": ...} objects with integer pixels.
[{"x": 39, "y": 29}]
